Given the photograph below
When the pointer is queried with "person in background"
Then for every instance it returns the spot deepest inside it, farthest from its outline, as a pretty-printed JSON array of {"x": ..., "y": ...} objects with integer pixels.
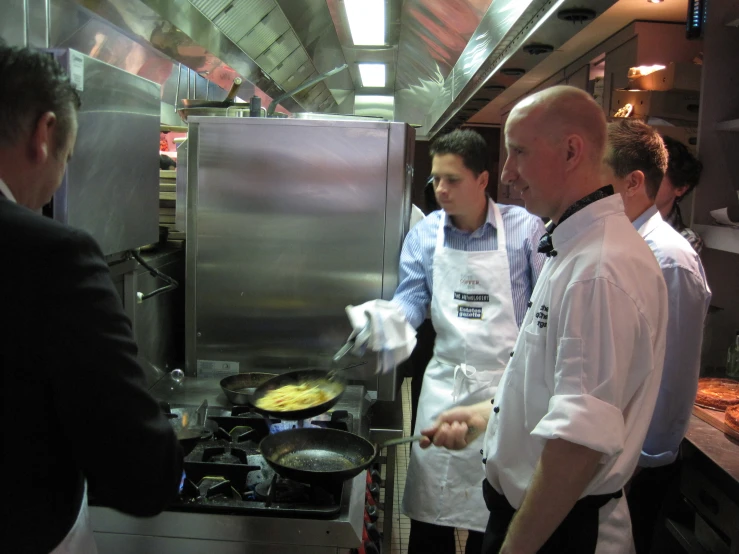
[
  {"x": 682, "y": 176},
  {"x": 565, "y": 430},
  {"x": 78, "y": 417},
  {"x": 165, "y": 162},
  {"x": 474, "y": 262},
  {"x": 635, "y": 164}
]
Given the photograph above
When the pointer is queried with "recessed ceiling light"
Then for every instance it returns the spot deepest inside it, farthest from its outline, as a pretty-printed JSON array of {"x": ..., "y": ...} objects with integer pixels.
[
  {"x": 373, "y": 74},
  {"x": 513, "y": 71},
  {"x": 655, "y": 1},
  {"x": 366, "y": 21}
]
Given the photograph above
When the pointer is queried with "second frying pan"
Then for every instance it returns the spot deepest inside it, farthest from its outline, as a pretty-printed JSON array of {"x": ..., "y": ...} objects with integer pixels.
[{"x": 332, "y": 383}]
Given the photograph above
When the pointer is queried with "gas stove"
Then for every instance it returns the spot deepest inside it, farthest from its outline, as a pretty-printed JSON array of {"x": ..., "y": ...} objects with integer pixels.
[
  {"x": 231, "y": 501},
  {"x": 227, "y": 474}
]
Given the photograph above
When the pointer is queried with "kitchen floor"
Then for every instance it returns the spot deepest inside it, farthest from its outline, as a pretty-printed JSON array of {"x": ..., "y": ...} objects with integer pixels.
[{"x": 401, "y": 524}]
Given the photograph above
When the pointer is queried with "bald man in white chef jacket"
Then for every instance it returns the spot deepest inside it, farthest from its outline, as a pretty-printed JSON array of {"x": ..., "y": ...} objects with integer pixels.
[{"x": 565, "y": 430}]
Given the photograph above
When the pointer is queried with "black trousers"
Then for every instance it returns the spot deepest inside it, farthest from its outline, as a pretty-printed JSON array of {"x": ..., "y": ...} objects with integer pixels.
[
  {"x": 577, "y": 534},
  {"x": 427, "y": 538},
  {"x": 420, "y": 358},
  {"x": 415, "y": 366},
  {"x": 650, "y": 493}
]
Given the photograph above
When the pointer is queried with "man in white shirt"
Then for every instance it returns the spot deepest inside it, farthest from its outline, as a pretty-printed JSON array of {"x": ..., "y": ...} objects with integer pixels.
[
  {"x": 635, "y": 164},
  {"x": 566, "y": 427}
]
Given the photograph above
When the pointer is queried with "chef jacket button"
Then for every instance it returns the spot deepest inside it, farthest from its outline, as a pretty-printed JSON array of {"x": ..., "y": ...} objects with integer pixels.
[
  {"x": 529, "y": 304},
  {"x": 496, "y": 409},
  {"x": 484, "y": 460},
  {"x": 481, "y": 452},
  {"x": 511, "y": 354},
  {"x": 492, "y": 400}
]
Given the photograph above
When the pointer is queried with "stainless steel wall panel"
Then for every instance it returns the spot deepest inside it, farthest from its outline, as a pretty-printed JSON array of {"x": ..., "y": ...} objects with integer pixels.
[
  {"x": 111, "y": 186},
  {"x": 181, "y": 187},
  {"x": 401, "y": 140},
  {"x": 288, "y": 222},
  {"x": 286, "y": 237},
  {"x": 12, "y": 28}
]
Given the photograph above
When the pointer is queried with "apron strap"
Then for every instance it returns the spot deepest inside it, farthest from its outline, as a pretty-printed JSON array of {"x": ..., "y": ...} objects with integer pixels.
[
  {"x": 440, "y": 232},
  {"x": 467, "y": 372},
  {"x": 500, "y": 232}
]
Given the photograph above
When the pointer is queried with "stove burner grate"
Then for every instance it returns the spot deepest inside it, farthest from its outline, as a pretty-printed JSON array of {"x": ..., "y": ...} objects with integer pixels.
[{"x": 224, "y": 455}]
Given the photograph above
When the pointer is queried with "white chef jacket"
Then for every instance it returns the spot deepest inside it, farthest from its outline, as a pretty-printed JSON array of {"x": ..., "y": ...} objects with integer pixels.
[
  {"x": 688, "y": 300},
  {"x": 587, "y": 363}
]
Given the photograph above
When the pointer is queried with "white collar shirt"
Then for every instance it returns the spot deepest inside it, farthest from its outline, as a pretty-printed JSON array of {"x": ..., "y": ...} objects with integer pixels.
[{"x": 688, "y": 297}]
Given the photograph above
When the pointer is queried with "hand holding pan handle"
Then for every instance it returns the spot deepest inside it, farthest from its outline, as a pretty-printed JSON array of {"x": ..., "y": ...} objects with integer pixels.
[{"x": 403, "y": 440}]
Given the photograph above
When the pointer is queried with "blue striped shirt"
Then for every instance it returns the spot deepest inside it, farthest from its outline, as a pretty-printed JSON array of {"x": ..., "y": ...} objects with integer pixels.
[{"x": 522, "y": 231}]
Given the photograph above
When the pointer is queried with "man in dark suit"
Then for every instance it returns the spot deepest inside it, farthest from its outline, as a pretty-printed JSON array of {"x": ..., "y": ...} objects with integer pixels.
[{"x": 77, "y": 415}]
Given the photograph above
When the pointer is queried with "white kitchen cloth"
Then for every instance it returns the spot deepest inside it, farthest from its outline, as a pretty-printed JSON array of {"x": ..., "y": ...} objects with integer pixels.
[{"x": 388, "y": 332}]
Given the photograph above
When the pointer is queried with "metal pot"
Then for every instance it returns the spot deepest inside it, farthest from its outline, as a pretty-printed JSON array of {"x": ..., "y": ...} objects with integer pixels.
[{"x": 239, "y": 388}]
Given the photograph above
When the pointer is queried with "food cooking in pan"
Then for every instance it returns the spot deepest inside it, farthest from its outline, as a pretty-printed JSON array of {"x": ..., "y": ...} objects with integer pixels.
[{"x": 296, "y": 397}]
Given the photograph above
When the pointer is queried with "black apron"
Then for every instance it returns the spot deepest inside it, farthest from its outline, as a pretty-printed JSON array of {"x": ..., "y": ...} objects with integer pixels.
[{"x": 577, "y": 534}]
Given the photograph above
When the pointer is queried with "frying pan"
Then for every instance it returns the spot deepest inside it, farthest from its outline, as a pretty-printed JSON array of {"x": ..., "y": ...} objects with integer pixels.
[
  {"x": 332, "y": 383},
  {"x": 188, "y": 438},
  {"x": 321, "y": 456},
  {"x": 191, "y": 106},
  {"x": 239, "y": 388},
  {"x": 225, "y": 103}
]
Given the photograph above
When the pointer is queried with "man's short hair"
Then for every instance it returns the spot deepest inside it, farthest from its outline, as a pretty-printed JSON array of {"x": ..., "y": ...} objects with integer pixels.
[
  {"x": 683, "y": 169},
  {"x": 635, "y": 146},
  {"x": 468, "y": 145},
  {"x": 31, "y": 84}
]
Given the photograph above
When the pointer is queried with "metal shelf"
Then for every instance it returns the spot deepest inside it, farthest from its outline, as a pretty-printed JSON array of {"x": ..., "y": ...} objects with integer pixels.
[
  {"x": 173, "y": 128},
  {"x": 719, "y": 238},
  {"x": 731, "y": 125}
]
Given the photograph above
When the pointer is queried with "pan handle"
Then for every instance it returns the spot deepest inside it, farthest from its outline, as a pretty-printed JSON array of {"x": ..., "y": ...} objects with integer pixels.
[
  {"x": 332, "y": 373},
  {"x": 234, "y": 89},
  {"x": 401, "y": 440},
  {"x": 414, "y": 438}
]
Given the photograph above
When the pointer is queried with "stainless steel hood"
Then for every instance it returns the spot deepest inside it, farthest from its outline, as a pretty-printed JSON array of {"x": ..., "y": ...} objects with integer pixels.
[
  {"x": 250, "y": 37},
  {"x": 440, "y": 55},
  {"x": 441, "y": 99}
]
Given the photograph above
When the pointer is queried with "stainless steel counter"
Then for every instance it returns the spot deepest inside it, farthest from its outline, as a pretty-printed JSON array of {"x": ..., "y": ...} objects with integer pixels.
[{"x": 186, "y": 533}]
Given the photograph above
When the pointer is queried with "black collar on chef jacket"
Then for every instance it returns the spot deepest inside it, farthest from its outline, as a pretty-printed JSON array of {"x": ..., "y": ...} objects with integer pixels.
[{"x": 545, "y": 243}]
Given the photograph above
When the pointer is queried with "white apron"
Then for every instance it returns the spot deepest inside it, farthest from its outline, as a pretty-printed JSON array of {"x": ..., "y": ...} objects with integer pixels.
[
  {"x": 472, "y": 313},
  {"x": 80, "y": 539}
]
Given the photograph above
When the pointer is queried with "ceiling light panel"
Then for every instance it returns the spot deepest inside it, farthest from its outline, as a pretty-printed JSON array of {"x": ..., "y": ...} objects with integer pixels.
[
  {"x": 373, "y": 74},
  {"x": 366, "y": 21}
]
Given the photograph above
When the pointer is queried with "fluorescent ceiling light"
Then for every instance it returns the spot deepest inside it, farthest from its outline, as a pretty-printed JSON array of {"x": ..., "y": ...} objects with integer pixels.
[
  {"x": 373, "y": 74},
  {"x": 366, "y": 21}
]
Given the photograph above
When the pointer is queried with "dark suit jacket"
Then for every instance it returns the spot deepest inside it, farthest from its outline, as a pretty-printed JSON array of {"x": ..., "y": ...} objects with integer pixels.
[{"x": 74, "y": 396}]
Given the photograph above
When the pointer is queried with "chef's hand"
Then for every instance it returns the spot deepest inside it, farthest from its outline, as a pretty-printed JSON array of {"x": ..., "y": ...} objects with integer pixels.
[{"x": 458, "y": 427}]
